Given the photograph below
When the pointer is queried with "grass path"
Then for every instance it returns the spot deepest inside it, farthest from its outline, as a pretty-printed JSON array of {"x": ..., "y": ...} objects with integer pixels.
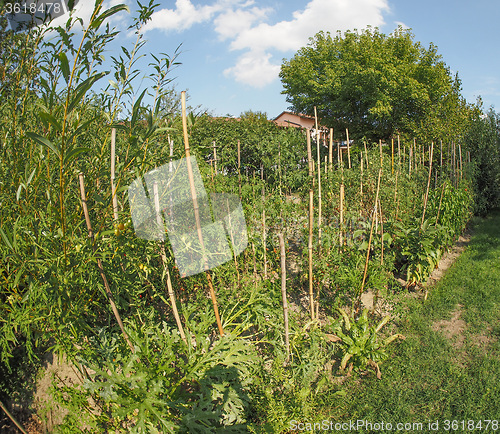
[{"x": 448, "y": 368}]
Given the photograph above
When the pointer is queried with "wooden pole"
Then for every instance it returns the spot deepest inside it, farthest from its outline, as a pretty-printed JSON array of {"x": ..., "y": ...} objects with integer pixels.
[
  {"x": 196, "y": 210},
  {"x": 366, "y": 154},
  {"x": 440, "y": 202},
  {"x": 441, "y": 159},
  {"x": 460, "y": 157},
  {"x": 381, "y": 155},
  {"x": 381, "y": 232},
  {"x": 330, "y": 151},
  {"x": 341, "y": 222},
  {"x": 215, "y": 157},
  {"x": 392, "y": 155},
  {"x": 113, "y": 189},
  {"x": 399, "y": 154},
  {"x": 264, "y": 219},
  {"x": 428, "y": 184},
  {"x": 348, "y": 148},
  {"x": 239, "y": 169},
  {"x": 311, "y": 223},
  {"x": 319, "y": 174},
  {"x": 19, "y": 426},
  {"x": 361, "y": 160},
  {"x": 163, "y": 254},
  {"x": 369, "y": 241},
  {"x": 410, "y": 160},
  {"x": 99, "y": 264},
  {"x": 283, "y": 294}
]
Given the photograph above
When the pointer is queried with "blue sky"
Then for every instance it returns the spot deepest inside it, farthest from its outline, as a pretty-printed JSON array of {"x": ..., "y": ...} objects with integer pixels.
[{"x": 232, "y": 49}]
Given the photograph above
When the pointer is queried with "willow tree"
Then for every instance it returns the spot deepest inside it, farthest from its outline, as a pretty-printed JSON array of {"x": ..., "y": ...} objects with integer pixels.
[{"x": 374, "y": 84}]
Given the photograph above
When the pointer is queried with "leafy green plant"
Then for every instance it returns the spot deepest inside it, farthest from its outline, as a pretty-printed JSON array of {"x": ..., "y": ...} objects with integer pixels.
[
  {"x": 420, "y": 248},
  {"x": 360, "y": 343}
]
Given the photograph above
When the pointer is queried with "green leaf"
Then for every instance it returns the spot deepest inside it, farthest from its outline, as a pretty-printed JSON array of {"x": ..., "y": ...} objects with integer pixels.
[
  {"x": 345, "y": 359},
  {"x": 45, "y": 142},
  {"x": 358, "y": 233},
  {"x": 347, "y": 322},
  {"x": 81, "y": 128},
  {"x": 6, "y": 239},
  {"x": 63, "y": 61},
  {"x": 136, "y": 108},
  {"x": 82, "y": 88},
  {"x": 50, "y": 119},
  {"x": 96, "y": 23},
  {"x": 71, "y": 155},
  {"x": 381, "y": 324}
]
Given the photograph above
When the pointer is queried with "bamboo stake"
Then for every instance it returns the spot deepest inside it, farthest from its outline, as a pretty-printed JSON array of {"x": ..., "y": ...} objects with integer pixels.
[
  {"x": 460, "y": 157},
  {"x": 283, "y": 294},
  {"x": 341, "y": 192},
  {"x": 239, "y": 169},
  {"x": 369, "y": 242},
  {"x": 113, "y": 189},
  {"x": 232, "y": 243},
  {"x": 254, "y": 265},
  {"x": 396, "y": 199},
  {"x": 341, "y": 223},
  {"x": 366, "y": 153},
  {"x": 264, "y": 233},
  {"x": 381, "y": 155},
  {"x": 381, "y": 232},
  {"x": 399, "y": 154},
  {"x": 319, "y": 175},
  {"x": 415, "y": 153},
  {"x": 348, "y": 148},
  {"x": 215, "y": 158},
  {"x": 163, "y": 254},
  {"x": 99, "y": 264},
  {"x": 441, "y": 159},
  {"x": 392, "y": 155},
  {"x": 330, "y": 151},
  {"x": 361, "y": 181},
  {"x": 410, "y": 158},
  {"x": 455, "y": 164},
  {"x": 311, "y": 223},
  {"x": 440, "y": 202},
  {"x": 19, "y": 426},
  {"x": 428, "y": 184},
  {"x": 196, "y": 210}
]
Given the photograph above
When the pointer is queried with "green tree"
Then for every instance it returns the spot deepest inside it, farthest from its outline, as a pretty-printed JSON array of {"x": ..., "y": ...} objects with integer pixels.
[
  {"x": 483, "y": 140},
  {"x": 373, "y": 84}
]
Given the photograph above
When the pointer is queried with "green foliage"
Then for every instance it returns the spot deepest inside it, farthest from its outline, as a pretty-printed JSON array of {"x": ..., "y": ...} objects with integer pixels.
[
  {"x": 483, "y": 140},
  {"x": 165, "y": 385},
  {"x": 374, "y": 84},
  {"x": 360, "y": 344},
  {"x": 420, "y": 247},
  {"x": 56, "y": 124}
]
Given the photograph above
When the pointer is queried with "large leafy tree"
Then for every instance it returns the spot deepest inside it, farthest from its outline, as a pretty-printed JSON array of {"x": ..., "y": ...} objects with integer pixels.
[{"x": 374, "y": 84}]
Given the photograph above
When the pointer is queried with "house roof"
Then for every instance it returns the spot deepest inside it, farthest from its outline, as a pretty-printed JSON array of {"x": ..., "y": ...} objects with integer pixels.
[{"x": 297, "y": 120}]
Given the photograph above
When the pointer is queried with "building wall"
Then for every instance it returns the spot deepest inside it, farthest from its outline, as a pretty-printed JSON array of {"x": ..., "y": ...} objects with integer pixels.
[{"x": 286, "y": 119}]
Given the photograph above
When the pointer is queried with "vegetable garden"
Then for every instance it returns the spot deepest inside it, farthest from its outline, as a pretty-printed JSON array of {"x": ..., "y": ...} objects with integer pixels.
[{"x": 326, "y": 224}]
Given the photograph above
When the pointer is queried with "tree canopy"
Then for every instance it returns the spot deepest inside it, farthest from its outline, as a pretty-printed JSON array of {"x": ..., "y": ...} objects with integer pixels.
[{"x": 374, "y": 84}]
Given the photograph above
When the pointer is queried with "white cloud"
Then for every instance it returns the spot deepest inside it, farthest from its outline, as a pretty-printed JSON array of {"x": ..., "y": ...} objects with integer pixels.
[
  {"x": 247, "y": 26},
  {"x": 327, "y": 15},
  {"x": 232, "y": 22},
  {"x": 185, "y": 15},
  {"x": 286, "y": 36},
  {"x": 254, "y": 68}
]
